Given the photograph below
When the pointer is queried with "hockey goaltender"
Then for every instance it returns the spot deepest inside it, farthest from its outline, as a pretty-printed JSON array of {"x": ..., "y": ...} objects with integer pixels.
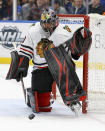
[{"x": 52, "y": 47}]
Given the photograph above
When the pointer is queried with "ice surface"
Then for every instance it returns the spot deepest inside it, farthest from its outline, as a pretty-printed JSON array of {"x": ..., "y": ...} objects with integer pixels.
[{"x": 14, "y": 112}]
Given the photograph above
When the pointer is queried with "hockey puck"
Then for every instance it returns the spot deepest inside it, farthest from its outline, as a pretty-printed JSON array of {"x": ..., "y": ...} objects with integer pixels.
[{"x": 31, "y": 116}]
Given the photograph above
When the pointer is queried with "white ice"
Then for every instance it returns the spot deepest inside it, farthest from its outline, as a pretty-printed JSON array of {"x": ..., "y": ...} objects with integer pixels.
[{"x": 14, "y": 112}]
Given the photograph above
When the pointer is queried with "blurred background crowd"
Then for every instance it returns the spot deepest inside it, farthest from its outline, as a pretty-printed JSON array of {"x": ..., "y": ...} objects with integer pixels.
[{"x": 32, "y": 9}]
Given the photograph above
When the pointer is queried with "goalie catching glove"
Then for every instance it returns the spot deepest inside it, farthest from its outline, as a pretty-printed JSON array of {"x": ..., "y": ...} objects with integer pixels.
[
  {"x": 80, "y": 43},
  {"x": 18, "y": 67},
  {"x": 44, "y": 44}
]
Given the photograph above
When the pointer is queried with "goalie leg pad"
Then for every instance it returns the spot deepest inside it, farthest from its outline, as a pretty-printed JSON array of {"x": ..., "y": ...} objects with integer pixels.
[
  {"x": 32, "y": 100},
  {"x": 62, "y": 69},
  {"x": 44, "y": 102},
  {"x": 39, "y": 102}
]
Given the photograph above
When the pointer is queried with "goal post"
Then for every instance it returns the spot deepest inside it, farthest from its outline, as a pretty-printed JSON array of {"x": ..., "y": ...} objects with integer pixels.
[{"x": 91, "y": 67}]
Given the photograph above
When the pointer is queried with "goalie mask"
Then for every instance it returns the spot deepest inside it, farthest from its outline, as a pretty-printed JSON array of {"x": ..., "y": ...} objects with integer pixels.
[{"x": 49, "y": 21}]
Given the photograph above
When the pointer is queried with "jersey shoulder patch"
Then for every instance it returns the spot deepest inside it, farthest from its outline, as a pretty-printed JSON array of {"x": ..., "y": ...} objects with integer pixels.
[{"x": 66, "y": 27}]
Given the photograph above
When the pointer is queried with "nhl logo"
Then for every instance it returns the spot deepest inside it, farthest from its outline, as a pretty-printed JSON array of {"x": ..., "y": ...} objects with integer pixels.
[{"x": 8, "y": 35}]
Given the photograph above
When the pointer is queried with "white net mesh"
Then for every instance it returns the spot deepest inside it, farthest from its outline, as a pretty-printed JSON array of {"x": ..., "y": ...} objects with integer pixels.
[{"x": 96, "y": 69}]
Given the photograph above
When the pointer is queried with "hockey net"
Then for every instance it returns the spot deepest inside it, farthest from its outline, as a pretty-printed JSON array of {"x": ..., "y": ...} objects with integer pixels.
[{"x": 90, "y": 67}]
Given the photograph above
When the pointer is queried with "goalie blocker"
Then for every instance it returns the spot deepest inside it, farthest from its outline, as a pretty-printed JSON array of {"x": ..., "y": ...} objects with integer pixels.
[
  {"x": 62, "y": 67},
  {"x": 19, "y": 66}
]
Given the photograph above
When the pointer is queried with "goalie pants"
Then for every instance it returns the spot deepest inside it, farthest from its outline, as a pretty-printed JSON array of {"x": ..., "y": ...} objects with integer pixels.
[{"x": 42, "y": 80}]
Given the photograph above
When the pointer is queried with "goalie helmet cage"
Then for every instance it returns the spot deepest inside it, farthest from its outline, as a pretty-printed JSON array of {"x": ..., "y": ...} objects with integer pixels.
[{"x": 91, "y": 67}]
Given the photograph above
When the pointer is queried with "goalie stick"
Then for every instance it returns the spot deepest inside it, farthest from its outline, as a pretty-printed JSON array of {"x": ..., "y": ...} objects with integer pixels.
[
  {"x": 32, "y": 115},
  {"x": 23, "y": 87},
  {"x": 21, "y": 78}
]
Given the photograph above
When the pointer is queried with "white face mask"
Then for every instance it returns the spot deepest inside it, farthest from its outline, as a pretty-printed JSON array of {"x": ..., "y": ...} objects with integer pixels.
[{"x": 48, "y": 27}]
